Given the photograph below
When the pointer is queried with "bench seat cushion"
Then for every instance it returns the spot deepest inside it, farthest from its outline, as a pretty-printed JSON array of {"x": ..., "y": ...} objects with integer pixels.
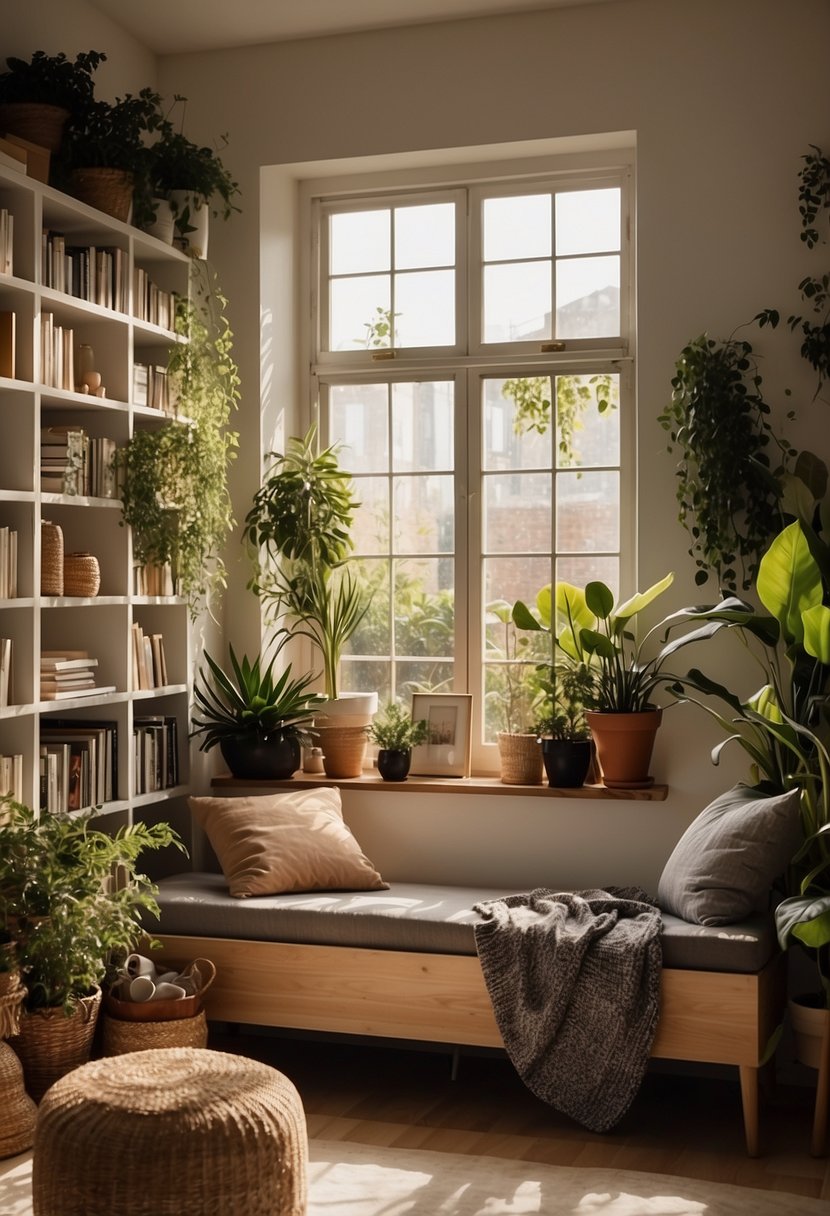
[{"x": 409, "y": 916}]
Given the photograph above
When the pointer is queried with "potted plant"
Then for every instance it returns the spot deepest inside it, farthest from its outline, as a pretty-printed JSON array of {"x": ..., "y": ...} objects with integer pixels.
[
  {"x": 37, "y": 96},
  {"x": 298, "y": 533},
  {"x": 565, "y": 736},
  {"x": 104, "y": 146},
  {"x": 513, "y": 691},
  {"x": 395, "y": 734},
  {"x": 191, "y": 179},
  {"x": 260, "y": 721},
  {"x": 175, "y": 477},
  {"x": 66, "y": 915}
]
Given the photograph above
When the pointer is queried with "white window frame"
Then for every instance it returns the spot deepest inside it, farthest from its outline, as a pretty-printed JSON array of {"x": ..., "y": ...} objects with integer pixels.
[{"x": 471, "y": 358}]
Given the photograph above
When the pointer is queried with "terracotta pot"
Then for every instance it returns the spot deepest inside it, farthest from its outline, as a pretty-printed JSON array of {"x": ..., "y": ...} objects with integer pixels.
[
  {"x": 624, "y": 743},
  {"x": 344, "y": 749},
  {"x": 566, "y": 762},
  {"x": 520, "y": 757},
  {"x": 50, "y": 1044}
]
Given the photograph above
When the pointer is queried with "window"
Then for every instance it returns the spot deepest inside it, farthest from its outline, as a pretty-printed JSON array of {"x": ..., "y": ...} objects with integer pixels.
[{"x": 472, "y": 355}]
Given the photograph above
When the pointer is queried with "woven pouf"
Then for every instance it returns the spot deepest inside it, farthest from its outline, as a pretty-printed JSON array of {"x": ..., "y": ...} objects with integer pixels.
[{"x": 175, "y": 1131}]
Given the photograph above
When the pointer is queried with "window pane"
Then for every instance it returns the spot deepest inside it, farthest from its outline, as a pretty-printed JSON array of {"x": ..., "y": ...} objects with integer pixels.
[
  {"x": 515, "y": 578},
  {"x": 422, "y": 425},
  {"x": 517, "y": 513},
  {"x": 428, "y": 675},
  {"x": 588, "y": 418},
  {"x": 588, "y": 298},
  {"x": 517, "y": 302},
  {"x": 587, "y": 512},
  {"x": 354, "y": 304},
  {"x": 359, "y": 242},
  {"x": 424, "y": 608},
  {"x": 424, "y": 514},
  {"x": 366, "y": 675},
  {"x": 517, "y": 227},
  {"x": 425, "y": 236},
  {"x": 370, "y": 530},
  {"x": 358, "y": 419},
  {"x": 425, "y": 308},
  {"x": 373, "y": 635},
  {"x": 582, "y": 570},
  {"x": 587, "y": 221},
  {"x": 517, "y": 431}
]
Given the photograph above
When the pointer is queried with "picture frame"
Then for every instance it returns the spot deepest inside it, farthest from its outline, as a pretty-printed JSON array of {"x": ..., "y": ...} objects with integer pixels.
[{"x": 449, "y": 720}]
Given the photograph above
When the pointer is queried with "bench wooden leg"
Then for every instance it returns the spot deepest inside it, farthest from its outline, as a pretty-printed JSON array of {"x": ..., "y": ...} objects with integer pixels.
[{"x": 749, "y": 1099}]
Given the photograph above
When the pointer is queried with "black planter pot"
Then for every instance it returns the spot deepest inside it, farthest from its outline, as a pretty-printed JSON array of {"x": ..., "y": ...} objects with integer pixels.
[
  {"x": 258, "y": 759},
  {"x": 393, "y": 764},
  {"x": 566, "y": 762}
]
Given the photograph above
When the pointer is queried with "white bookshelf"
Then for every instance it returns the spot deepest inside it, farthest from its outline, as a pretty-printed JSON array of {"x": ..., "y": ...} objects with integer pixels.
[{"x": 101, "y": 624}]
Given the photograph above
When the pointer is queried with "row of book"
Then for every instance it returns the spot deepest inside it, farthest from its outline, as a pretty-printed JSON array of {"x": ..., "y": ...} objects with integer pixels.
[
  {"x": 150, "y": 303},
  {"x": 57, "y": 353},
  {"x": 67, "y": 674},
  {"x": 149, "y": 662},
  {"x": 154, "y": 579},
  {"x": 78, "y": 764},
  {"x": 72, "y": 462},
  {"x": 11, "y": 777},
  {"x": 151, "y": 387},
  {"x": 5, "y": 673},
  {"x": 6, "y": 241},
  {"x": 156, "y": 754},
  {"x": 87, "y": 272},
  {"x": 8, "y": 563}
]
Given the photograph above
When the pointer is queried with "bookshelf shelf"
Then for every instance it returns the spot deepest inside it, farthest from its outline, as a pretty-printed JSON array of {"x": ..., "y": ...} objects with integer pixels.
[{"x": 55, "y": 243}]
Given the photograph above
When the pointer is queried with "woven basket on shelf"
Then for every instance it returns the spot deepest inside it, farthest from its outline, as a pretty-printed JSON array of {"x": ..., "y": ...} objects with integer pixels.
[
  {"x": 51, "y": 558},
  {"x": 36, "y": 121},
  {"x": 119, "y": 1037},
  {"x": 520, "y": 757},
  {"x": 50, "y": 1044},
  {"x": 17, "y": 1110},
  {"x": 110, "y": 190},
  {"x": 81, "y": 574}
]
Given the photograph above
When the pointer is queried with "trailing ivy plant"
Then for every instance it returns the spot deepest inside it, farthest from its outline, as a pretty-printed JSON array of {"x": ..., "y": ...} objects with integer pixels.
[
  {"x": 732, "y": 465},
  {"x": 175, "y": 493}
]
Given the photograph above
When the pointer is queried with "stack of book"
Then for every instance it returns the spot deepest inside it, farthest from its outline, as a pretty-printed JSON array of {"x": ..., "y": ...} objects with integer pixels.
[
  {"x": 155, "y": 754},
  {"x": 78, "y": 764},
  {"x": 67, "y": 674},
  {"x": 57, "y": 353},
  {"x": 11, "y": 777},
  {"x": 150, "y": 303},
  {"x": 8, "y": 563},
  {"x": 153, "y": 579},
  {"x": 6, "y": 241},
  {"x": 149, "y": 663},
  {"x": 72, "y": 462},
  {"x": 97, "y": 275},
  {"x": 5, "y": 672},
  {"x": 151, "y": 387}
]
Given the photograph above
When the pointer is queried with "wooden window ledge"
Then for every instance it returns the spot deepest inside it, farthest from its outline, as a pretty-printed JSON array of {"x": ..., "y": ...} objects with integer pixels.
[{"x": 444, "y": 785}]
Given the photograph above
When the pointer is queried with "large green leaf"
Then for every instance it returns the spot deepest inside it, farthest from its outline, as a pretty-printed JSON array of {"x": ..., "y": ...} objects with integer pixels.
[
  {"x": 805, "y": 917},
  {"x": 642, "y": 599},
  {"x": 572, "y": 616},
  {"x": 789, "y": 581},
  {"x": 816, "y": 621}
]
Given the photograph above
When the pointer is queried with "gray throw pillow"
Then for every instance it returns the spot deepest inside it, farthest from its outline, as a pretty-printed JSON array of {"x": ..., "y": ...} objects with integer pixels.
[{"x": 724, "y": 864}]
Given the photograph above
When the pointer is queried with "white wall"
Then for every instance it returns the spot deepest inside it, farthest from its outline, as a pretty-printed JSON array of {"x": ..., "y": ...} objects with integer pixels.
[{"x": 724, "y": 98}]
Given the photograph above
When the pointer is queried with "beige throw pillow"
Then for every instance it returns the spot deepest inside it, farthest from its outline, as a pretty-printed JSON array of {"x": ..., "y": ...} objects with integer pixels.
[{"x": 278, "y": 843}]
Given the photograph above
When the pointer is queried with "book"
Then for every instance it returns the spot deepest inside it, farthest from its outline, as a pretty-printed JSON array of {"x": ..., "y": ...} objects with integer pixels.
[
  {"x": 67, "y": 694},
  {"x": 5, "y": 672},
  {"x": 37, "y": 157},
  {"x": 50, "y": 662},
  {"x": 8, "y": 327}
]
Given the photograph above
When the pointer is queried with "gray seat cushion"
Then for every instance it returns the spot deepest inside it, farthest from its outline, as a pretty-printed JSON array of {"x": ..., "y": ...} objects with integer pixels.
[{"x": 431, "y": 919}]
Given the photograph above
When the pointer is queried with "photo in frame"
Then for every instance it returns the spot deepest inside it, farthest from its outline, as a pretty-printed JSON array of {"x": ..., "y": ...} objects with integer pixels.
[{"x": 446, "y": 752}]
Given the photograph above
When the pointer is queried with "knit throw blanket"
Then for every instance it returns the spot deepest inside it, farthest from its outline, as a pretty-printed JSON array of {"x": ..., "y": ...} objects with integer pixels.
[{"x": 574, "y": 979}]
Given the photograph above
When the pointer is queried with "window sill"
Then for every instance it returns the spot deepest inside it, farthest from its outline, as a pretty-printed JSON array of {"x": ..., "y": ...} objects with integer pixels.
[{"x": 444, "y": 785}]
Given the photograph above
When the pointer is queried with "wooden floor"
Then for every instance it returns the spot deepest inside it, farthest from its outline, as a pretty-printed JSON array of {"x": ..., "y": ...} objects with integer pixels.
[{"x": 395, "y": 1096}]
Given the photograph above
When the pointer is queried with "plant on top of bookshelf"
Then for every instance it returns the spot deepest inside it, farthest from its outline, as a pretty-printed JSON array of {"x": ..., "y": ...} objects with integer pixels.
[
  {"x": 63, "y": 85},
  {"x": 175, "y": 495}
]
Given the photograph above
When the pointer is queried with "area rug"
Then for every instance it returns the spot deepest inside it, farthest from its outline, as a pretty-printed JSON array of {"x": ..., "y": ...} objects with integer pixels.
[{"x": 348, "y": 1179}]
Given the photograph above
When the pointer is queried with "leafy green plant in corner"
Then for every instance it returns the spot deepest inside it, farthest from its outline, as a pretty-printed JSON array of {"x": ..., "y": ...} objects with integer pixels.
[
  {"x": 54, "y": 80},
  {"x": 59, "y": 904},
  {"x": 251, "y": 702},
  {"x": 175, "y": 476},
  {"x": 732, "y": 466},
  {"x": 395, "y": 730}
]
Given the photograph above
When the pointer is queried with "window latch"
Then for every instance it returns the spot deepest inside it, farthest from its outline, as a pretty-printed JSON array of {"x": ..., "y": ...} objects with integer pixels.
[
  {"x": 552, "y": 346},
  {"x": 379, "y": 355}
]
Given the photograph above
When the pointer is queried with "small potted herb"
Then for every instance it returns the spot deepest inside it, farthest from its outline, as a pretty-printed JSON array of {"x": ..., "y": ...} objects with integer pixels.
[
  {"x": 395, "y": 734},
  {"x": 37, "y": 96},
  {"x": 565, "y": 737}
]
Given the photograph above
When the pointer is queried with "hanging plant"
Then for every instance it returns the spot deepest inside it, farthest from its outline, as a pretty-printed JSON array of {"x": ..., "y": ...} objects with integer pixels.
[
  {"x": 175, "y": 495},
  {"x": 531, "y": 397},
  {"x": 731, "y": 465}
]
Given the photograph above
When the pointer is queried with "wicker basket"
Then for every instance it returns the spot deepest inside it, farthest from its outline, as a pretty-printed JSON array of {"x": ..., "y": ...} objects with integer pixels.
[
  {"x": 110, "y": 190},
  {"x": 17, "y": 1110},
  {"x": 120, "y": 1037},
  {"x": 520, "y": 757},
  {"x": 36, "y": 121},
  {"x": 12, "y": 993},
  {"x": 344, "y": 749},
  {"x": 51, "y": 558},
  {"x": 81, "y": 574},
  {"x": 51, "y": 1044},
  {"x": 204, "y": 972}
]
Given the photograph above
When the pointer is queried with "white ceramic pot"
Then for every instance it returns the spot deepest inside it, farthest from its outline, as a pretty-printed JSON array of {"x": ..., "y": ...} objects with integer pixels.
[
  {"x": 163, "y": 226},
  {"x": 192, "y": 216},
  {"x": 808, "y": 1023}
]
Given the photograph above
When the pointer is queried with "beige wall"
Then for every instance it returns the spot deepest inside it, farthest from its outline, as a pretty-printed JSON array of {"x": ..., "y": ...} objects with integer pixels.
[{"x": 724, "y": 96}]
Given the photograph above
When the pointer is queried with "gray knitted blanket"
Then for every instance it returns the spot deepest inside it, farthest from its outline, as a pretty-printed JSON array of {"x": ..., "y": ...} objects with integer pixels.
[{"x": 574, "y": 979}]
